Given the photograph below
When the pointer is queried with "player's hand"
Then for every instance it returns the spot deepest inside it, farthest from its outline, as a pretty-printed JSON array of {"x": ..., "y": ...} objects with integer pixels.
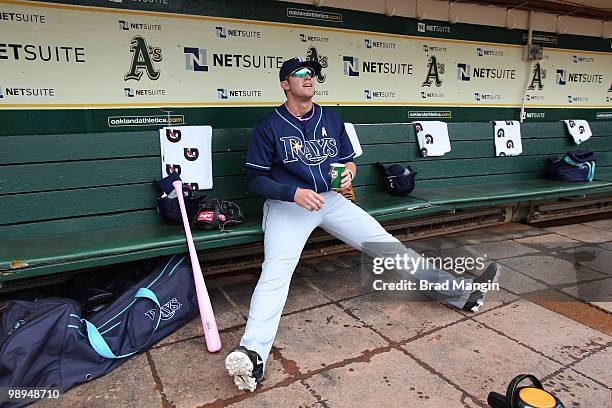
[
  {"x": 347, "y": 180},
  {"x": 308, "y": 199}
]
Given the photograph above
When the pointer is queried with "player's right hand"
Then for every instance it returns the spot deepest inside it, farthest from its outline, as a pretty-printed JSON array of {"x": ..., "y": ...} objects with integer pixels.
[{"x": 308, "y": 199}]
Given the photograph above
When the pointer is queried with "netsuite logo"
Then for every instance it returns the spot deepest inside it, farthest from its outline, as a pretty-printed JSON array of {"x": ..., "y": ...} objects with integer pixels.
[
  {"x": 195, "y": 59},
  {"x": 353, "y": 68},
  {"x": 563, "y": 77},
  {"x": 433, "y": 48},
  {"x": 422, "y": 27},
  {"x": 132, "y": 93},
  {"x": 222, "y": 32},
  {"x": 486, "y": 96},
  {"x": 313, "y": 38},
  {"x": 27, "y": 92},
  {"x": 484, "y": 52},
  {"x": 431, "y": 95},
  {"x": 578, "y": 59},
  {"x": 223, "y": 93},
  {"x": 573, "y": 99},
  {"x": 465, "y": 72},
  {"x": 378, "y": 44},
  {"x": 531, "y": 98},
  {"x": 127, "y": 25},
  {"x": 370, "y": 94}
]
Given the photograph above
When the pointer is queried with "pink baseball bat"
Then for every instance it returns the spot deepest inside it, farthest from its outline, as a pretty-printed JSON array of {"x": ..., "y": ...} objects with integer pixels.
[{"x": 211, "y": 334}]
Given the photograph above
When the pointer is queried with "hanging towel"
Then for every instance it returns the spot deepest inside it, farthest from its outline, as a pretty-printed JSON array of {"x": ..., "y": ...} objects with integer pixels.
[
  {"x": 507, "y": 138},
  {"x": 187, "y": 151},
  {"x": 433, "y": 138},
  {"x": 352, "y": 134},
  {"x": 578, "y": 129}
]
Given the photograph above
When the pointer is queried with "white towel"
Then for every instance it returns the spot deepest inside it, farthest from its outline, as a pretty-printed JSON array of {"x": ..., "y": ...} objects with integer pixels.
[
  {"x": 508, "y": 138},
  {"x": 578, "y": 129},
  {"x": 352, "y": 134},
  {"x": 188, "y": 150},
  {"x": 432, "y": 137}
]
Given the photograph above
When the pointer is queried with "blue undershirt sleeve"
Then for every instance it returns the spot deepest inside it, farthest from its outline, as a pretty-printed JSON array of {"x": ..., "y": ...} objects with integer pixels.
[
  {"x": 259, "y": 167},
  {"x": 263, "y": 185}
]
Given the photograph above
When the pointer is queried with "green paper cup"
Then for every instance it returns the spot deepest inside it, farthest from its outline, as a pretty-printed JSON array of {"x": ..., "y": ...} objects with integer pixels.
[{"x": 336, "y": 170}]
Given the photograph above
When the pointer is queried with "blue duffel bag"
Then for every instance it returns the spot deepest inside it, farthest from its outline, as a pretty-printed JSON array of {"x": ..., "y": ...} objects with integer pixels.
[
  {"x": 577, "y": 165},
  {"x": 47, "y": 343}
]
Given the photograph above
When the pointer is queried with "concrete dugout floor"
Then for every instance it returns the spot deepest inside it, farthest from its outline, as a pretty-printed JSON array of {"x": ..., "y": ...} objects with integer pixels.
[{"x": 341, "y": 344}]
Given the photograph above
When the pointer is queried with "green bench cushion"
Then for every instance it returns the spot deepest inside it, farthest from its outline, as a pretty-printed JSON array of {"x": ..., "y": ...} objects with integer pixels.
[
  {"x": 505, "y": 190},
  {"x": 86, "y": 200}
]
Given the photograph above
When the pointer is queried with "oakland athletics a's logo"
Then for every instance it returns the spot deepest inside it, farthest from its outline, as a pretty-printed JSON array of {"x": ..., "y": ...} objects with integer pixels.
[
  {"x": 310, "y": 152},
  {"x": 313, "y": 55},
  {"x": 143, "y": 57},
  {"x": 434, "y": 70},
  {"x": 538, "y": 75}
]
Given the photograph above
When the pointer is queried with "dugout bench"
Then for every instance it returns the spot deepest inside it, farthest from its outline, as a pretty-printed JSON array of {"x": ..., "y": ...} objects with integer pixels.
[{"x": 77, "y": 201}]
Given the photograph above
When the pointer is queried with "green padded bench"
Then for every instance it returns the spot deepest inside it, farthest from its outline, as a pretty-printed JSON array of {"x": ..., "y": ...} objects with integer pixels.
[
  {"x": 77, "y": 201},
  {"x": 471, "y": 175},
  {"x": 87, "y": 200}
]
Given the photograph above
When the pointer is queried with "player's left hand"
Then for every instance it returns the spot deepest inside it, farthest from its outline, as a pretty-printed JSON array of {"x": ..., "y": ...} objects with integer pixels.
[{"x": 347, "y": 179}]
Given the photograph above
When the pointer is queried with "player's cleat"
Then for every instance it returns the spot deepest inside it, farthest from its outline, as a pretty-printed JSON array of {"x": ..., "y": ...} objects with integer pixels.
[
  {"x": 490, "y": 274},
  {"x": 476, "y": 298},
  {"x": 246, "y": 366}
]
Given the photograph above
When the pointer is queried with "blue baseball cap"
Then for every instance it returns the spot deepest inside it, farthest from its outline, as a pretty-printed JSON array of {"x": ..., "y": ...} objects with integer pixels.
[{"x": 294, "y": 63}]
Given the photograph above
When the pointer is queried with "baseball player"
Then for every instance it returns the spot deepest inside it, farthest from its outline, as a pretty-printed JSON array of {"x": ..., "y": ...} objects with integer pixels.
[{"x": 288, "y": 162}]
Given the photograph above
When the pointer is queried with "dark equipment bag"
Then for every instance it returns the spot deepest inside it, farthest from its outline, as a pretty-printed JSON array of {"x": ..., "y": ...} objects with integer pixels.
[
  {"x": 47, "y": 343},
  {"x": 577, "y": 165}
]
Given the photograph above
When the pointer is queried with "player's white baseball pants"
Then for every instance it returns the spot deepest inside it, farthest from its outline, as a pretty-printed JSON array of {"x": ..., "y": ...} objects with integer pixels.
[{"x": 287, "y": 226}]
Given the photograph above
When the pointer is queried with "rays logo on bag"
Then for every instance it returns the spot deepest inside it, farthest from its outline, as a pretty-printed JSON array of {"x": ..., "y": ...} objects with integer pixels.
[
  {"x": 173, "y": 135},
  {"x": 167, "y": 311},
  {"x": 173, "y": 168},
  {"x": 311, "y": 152},
  {"x": 191, "y": 154}
]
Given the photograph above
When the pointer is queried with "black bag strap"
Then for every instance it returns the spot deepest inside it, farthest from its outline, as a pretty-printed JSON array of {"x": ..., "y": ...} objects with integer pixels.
[{"x": 511, "y": 391}]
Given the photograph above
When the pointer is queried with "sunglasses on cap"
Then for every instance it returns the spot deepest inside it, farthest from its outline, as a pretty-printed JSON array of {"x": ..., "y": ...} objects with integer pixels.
[{"x": 303, "y": 72}]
